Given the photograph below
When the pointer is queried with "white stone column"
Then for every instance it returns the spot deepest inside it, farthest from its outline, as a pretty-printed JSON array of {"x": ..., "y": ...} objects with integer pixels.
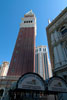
[
  {"x": 52, "y": 39},
  {"x": 64, "y": 50},
  {"x": 61, "y": 54},
  {"x": 56, "y": 57},
  {"x": 56, "y": 35},
  {"x": 41, "y": 67}
]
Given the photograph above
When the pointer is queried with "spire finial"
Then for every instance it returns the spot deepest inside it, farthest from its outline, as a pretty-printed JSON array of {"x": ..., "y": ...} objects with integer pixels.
[
  {"x": 31, "y": 10},
  {"x": 49, "y": 21}
]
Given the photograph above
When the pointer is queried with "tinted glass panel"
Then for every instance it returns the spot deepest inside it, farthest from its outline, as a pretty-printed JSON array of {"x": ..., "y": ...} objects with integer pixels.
[
  {"x": 64, "y": 32},
  {"x": 39, "y": 49}
]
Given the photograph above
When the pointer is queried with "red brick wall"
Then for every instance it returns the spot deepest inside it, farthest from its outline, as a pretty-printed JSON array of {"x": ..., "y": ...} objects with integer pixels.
[{"x": 23, "y": 58}]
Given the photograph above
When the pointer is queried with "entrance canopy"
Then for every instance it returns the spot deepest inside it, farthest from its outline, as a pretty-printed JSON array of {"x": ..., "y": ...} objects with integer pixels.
[
  {"x": 31, "y": 81},
  {"x": 34, "y": 82},
  {"x": 57, "y": 84},
  {"x": 32, "y": 86}
]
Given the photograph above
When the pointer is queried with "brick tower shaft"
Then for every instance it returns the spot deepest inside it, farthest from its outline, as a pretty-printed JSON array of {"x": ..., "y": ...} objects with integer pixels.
[{"x": 23, "y": 58}]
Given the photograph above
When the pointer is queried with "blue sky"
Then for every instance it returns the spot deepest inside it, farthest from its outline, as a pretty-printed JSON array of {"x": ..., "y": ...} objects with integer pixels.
[{"x": 11, "y": 12}]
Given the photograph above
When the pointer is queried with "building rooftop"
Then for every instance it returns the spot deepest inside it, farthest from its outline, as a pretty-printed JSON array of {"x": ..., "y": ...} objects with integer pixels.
[
  {"x": 41, "y": 46},
  {"x": 54, "y": 21},
  {"x": 54, "y": 25},
  {"x": 30, "y": 14}
]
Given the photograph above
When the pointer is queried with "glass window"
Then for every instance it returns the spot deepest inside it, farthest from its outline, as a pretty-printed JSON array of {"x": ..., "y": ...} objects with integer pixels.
[
  {"x": 39, "y": 49},
  {"x": 44, "y": 49},
  {"x": 62, "y": 27},
  {"x": 36, "y": 50},
  {"x": 25, "y": 21},
  {"x": 31, "y": 21},
  {"x": 64, "y": 31}
]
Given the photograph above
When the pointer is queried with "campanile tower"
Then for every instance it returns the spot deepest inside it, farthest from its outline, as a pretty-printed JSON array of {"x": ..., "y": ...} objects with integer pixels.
[{"x": 23, "y": 58}]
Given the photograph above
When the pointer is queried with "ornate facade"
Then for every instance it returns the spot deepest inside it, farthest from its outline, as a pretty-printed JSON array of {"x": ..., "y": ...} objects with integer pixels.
[{"x": 57, "y": 42}]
